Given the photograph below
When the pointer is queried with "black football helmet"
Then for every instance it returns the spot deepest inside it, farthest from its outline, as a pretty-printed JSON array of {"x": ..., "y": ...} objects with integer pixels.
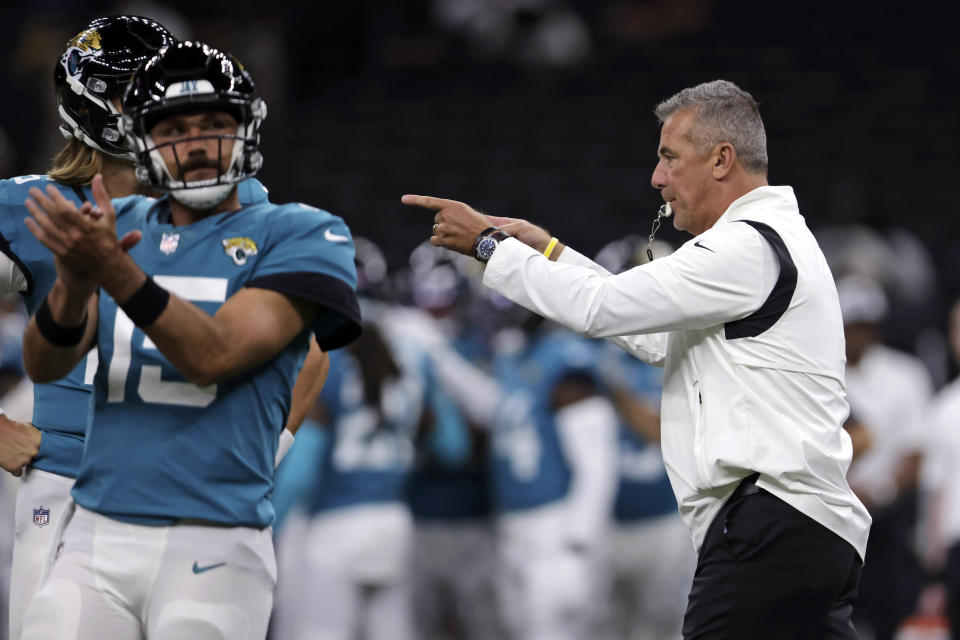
[
  {"x": 95, "y": 69},
  {"x": 189, "y": 77}
]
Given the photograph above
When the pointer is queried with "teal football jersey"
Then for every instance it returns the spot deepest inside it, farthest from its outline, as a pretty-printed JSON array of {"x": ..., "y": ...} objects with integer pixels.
[
  {"x": 160, "y": 449},
  {"x": 529, "y": 466},
  {"x": 252, "y": 191},
  {"x": 61, "y": 408},
  {"x": 371, "y": 452}
]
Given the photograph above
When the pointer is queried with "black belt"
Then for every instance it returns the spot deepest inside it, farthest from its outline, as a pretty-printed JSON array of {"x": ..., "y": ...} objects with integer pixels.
[{"x": 748, "y": 486}]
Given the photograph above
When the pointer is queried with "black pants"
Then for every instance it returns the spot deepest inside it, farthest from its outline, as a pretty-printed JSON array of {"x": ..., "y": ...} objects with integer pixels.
[
  {"x": 768, "y": 572},
  {"x": 953, "y": 589}
]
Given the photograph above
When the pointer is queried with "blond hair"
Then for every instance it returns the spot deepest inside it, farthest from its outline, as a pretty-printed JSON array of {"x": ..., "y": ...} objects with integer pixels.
[{"x": 76, "y": 164}]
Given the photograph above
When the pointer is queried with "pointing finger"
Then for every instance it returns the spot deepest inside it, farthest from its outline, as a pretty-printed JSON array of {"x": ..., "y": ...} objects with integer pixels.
[{"x": 427, "y": 202}]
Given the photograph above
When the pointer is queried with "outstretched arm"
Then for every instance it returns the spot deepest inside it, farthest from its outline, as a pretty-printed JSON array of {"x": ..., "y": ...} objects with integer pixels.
[
  {"x": 457, "y": 225},
  {"x": 693, "y": 288}
]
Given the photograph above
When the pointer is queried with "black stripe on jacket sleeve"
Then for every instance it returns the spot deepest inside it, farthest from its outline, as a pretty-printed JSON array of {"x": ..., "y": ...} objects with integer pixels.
[{"x": 779, "y": 299}]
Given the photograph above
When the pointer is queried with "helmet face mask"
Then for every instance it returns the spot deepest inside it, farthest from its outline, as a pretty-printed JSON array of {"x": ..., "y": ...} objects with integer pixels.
[
  {"x": 185, "y": 79},
  {"x": 93, "y": 72}
]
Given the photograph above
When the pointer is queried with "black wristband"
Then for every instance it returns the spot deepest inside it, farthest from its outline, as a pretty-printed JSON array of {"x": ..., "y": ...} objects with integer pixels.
[
  {"x": 55, "y": 333},
  {"x": 147, "y": 303}
]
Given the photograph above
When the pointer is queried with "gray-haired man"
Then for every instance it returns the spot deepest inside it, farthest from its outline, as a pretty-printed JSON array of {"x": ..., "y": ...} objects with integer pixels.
[{"x": 745, "y": 319}]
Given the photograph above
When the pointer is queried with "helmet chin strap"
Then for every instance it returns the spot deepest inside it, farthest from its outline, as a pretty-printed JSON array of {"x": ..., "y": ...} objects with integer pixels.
[{"x": 202, "y": 197}]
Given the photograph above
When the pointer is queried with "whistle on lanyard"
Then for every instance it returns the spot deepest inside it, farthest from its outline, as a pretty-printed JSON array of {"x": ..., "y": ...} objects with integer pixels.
[{"x": 665, "y": 212}]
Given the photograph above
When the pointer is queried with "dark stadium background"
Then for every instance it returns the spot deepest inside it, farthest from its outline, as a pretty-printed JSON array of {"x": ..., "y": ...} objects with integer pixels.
[{"x": 546, "y": 111}]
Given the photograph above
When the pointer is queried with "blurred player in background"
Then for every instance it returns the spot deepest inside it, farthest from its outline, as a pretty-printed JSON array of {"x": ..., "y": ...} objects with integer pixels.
[
  {"x": 553, "y": 451},
  {"x": 554, "y": 475},
  {"x": 942, "y": 479},
  {"x": 178, "y": 463},
  {"x": 889, "y": 392},
  {"x": 346, "y": 575},
  {"x": 651, "y": 558},
  {"x": 552, "y": 469},
  {"x": 452, "y": 571},
  {"x": 348, "y": 578}
]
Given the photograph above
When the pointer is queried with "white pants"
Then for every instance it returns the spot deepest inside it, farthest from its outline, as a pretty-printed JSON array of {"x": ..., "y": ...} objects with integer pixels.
[
  {"x": 129, "y": 582},
  {"x": 546, "y": 588},
  {"x": 452, "y": 578},
  {"x": 651, "y": 564},
  {"x": 344, "y": 575},
  {"x": 36, "y": 536},
  {"x": 7, "y": 501}
]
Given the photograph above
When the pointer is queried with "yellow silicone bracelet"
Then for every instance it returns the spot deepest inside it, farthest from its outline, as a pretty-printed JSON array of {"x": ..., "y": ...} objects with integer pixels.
[{"x": 550, "y": 247}]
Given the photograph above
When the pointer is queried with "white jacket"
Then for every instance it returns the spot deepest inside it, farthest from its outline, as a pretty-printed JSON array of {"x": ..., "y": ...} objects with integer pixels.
[{"x": 745, "y": 319}]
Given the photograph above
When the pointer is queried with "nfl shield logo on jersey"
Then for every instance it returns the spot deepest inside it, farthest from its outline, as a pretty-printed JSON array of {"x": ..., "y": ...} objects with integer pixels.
[
  {"x": 41, "y": 516},
  {"x": 169, "y": 242}
]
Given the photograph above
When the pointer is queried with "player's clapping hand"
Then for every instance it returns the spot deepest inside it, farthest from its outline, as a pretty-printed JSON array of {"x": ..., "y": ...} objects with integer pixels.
[
  {"x": 456, "y": 225},
  {"x": 83, "y": 239},
  {"x": 19, "y": 444}
]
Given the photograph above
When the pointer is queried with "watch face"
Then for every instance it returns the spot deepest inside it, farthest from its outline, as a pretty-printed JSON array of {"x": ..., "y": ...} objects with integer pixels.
[{"x": 485, "y": 248}]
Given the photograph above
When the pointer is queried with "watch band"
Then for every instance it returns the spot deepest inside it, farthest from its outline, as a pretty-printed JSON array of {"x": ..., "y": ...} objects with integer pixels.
[{"x": 494, "y": 232}]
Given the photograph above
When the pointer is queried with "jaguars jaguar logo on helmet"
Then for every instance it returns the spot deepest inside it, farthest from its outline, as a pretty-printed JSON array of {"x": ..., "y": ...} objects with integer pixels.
[
  {"x": 94, "y": 70},
  {"x": 87, "y": 40},
  {"x": 85, "y": 43}
]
